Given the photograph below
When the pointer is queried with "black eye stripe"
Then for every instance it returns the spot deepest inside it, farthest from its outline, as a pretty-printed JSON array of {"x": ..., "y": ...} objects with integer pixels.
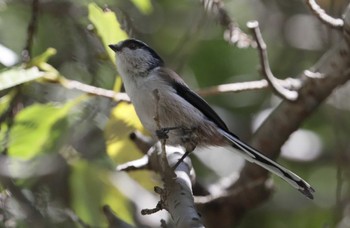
[{"x": 134, "y": 44}]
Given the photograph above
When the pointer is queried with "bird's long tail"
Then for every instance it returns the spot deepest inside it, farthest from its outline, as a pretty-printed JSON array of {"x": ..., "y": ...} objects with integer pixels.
[{"x": 256, "y": 157}]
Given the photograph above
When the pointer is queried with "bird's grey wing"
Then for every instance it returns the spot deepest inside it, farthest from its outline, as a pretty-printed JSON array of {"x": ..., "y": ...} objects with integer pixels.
[
  {"x": 248, "y": 152},
  {"x": 194, "y": 99}
]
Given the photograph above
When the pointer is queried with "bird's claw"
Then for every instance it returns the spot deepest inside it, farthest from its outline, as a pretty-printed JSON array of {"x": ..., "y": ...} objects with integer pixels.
[{"x": 163, "y": 132}]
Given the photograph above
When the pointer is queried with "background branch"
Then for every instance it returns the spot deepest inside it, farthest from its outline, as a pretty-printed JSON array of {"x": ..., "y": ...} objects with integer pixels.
[
  {"x": 32, "y": 26},
  {"x": 273, "y": 133},
  {"x": 288, "y": 83},
  {"x": 233, "y": 34},
  {"x": 326, "y": 19},
  {"x": 265, "y": 66}
]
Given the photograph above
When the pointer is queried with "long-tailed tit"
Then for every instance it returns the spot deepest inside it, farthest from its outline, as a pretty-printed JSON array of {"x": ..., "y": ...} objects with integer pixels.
[{"x": 191, "y": 120}]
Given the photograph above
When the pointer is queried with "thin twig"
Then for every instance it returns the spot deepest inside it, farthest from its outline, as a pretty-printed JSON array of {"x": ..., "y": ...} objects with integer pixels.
[
  {"x": 326, "y": 19},
  {"x": 233, "y": 34},
  {"x": 167, "y": 171},
  {"x": 288, "y": 83},
  {"x": 139, "y": 164},
  {"x": 72, "y": 84},
  {"x": 142, "y": 142},
  {"x": 27, "y": 51},
  {"x": 164, "y": 162},
  {"x": 273, "y": 82},
  {"x": 233, "y": 192},
  {"x": 152, "y": 210}
]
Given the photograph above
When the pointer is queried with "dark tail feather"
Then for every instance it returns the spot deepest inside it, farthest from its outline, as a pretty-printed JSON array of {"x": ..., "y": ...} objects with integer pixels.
[{"x": 256, "y": 157}]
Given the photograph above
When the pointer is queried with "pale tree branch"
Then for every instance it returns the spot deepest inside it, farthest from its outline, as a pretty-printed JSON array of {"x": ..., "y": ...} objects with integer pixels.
[
  {"x": 176, "y": 195},
  {"x": 233, "y": 34},
  {"x": 288, "y": 83},
  {"x": 278, "y": 89},
  {"x": 326, "y": 19},
  {"x": 334, "y": 66},
  {"x": 97, "y": 91}
]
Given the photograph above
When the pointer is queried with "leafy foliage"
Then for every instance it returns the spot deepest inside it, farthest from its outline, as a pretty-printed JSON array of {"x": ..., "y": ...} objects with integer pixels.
[
  {"x": 32, "y": 135},
  {"x": 107, "y": 27}
]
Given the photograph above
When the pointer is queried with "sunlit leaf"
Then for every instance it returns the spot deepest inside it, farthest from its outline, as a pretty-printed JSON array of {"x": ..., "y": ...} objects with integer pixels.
[
  {"x": 90, "y": 189},
  {"x": 120, "y": 148},
  {"x": 39, "y": 129},
  {"x": 117, "y": 84},
  {"x": 17, "y": 76},
  {"x": 145, "y": 6},
  {"x": 122, "y": 122},
  {"x": 107, "y": 27}
]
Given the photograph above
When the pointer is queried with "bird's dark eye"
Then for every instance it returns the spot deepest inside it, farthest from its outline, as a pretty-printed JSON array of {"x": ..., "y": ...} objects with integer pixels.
[{"x": 132, "y": 46}]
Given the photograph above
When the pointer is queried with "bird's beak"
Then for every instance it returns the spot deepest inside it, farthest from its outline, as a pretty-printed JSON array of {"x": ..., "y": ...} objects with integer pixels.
[{"x": 115, "y": 47}]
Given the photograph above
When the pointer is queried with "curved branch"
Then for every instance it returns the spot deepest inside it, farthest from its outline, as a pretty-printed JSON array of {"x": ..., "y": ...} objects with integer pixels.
[
  {"x": 233, "y": 34},
  {"x": 265, "y": 66},
  {"x": 273, "y": 133},
  {"x": 326, "y": 19},
  {"x": 288, "y": 83}
]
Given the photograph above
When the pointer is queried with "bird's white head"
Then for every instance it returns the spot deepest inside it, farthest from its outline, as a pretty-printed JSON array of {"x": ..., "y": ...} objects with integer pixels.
[{"x": 135, "y": 58}]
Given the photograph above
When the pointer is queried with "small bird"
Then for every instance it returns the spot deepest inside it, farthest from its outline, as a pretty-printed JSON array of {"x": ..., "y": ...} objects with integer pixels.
[{"x": 183, "y": 115}]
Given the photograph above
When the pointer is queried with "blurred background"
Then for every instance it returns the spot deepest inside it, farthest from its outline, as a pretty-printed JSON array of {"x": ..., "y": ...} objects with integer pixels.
[{"x": 59, "y": 146}]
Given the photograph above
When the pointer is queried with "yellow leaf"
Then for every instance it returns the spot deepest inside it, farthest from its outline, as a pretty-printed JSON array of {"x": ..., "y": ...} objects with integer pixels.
[
  {"x": 145, "y": 6},
  {"x": 120, "y": 148},
  {"x": 122, "y": 122},
  {"x": 107, "y": 27}
]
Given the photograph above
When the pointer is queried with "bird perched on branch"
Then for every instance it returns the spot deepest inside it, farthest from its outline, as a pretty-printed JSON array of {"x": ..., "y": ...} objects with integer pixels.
[{"x": 182, "y": 115}]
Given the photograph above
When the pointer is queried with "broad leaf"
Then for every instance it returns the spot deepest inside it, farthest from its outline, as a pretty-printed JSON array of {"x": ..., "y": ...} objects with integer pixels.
[
  {"x": 122, "y": 122},
  {"x": 39, "y": 129},
  {"x": 120, "y": 148},
  {"x": 107, "y": 27}
]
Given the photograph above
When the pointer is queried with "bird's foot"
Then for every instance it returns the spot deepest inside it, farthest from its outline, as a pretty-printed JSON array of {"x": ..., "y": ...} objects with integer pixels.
[{"x": 163, "y": 132}]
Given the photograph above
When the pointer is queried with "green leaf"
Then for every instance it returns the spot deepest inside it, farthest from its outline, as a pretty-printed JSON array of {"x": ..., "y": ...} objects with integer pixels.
[
  {"x": 39, "y": 129},
  {"x": 17, "y": 76},
  {"x": 145, "y": 6},
  {"x": 107, "y": 27}
]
